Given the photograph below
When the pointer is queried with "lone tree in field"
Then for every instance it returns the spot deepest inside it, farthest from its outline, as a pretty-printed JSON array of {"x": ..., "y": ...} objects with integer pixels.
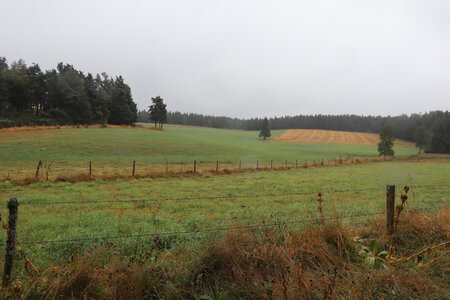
[
  {"x": 265, "y": 129},
  {"x": 386, "y": 141},
  {"x": 158, "y": 112}
]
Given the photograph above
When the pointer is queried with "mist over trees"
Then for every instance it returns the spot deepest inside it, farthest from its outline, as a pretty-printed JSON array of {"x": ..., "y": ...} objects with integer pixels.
[
  {"x": 436, "y": 124},
  {"x": 30, "y": 96}
]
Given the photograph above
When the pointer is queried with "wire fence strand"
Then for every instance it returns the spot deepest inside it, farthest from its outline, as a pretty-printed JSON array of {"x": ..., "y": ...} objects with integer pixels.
[
  {"x": 300, "y": 221},
  {"x": 263, "y": 224},
  {"x": 219, "y": 197}
]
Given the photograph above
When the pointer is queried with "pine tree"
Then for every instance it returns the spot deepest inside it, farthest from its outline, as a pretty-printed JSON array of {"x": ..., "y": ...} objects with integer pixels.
[
  {"x": 120, "y": 109},
  {"x": 386, "y": 141},
  {"x": 265, "y": 129},
  {"x": 158, "y": 111}
]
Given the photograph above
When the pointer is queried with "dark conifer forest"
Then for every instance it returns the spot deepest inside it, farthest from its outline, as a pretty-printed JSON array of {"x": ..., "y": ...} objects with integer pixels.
[{"x": 61, "y": 96}]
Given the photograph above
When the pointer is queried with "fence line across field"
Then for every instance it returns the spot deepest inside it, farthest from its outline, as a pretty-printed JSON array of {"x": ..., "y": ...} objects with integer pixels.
[
  {"x": 221, "y": 197},
  {"x": 13, "y": 205},
  {"x": 234, "y": 228},
  {"x": 300, "y": 221},
  {"x": 186, "y": 166}
]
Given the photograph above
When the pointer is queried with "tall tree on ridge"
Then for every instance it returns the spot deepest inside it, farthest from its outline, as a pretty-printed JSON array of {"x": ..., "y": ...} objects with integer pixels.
[
  {"x": 265, "y": 129},
  {"x": 158, "y": 111}
]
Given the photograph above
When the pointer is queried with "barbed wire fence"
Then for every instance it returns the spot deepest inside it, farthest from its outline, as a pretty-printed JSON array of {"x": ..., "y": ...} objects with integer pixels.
[
  {"x": 50, "y": 170},
  {"x": 12, "y": 242}
]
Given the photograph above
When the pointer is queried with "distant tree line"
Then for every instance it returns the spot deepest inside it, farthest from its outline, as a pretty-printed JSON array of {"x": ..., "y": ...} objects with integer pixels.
[
  {"x": 30, "y": 96},
  {"x": 430, "y": 131}
]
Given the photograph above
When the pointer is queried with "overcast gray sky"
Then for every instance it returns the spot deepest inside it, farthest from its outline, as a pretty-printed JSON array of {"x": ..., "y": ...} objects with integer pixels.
[{"x": 247, "y": 58}]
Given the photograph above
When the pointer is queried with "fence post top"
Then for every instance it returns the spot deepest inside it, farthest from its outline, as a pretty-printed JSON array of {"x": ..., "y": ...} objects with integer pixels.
[
  {"x": 390, "y": 187},
  {"x": 13, "y": 202}
]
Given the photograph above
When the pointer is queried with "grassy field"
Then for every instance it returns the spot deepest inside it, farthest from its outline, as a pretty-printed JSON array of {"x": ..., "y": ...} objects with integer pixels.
[
  {"x": 113, "y": 149},
  {"x": 99, "y": 239},
  {"x": 67, "y": 221}
]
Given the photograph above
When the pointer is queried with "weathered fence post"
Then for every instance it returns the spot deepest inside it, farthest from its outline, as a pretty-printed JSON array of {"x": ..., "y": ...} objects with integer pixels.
[
  {"x": 390, "y": 208},
  {"x": 90, "y": 168},
  {"x": 257, "y": 164},
  {"x": 239, "y": 164},
  {"x": 37, "y": 169},
  {"x": 10, "y": 255},
  {"x": 314, "y": 163},
  {"x": 285, "y": 165},
  {"x": 217, "y": 166},
  {"x": 134, "y": 168},
  {"x": 167, "y": 166},
  {"x": 306, "y": 164},
  {"x": 271, "y": 164},
  {"x": 321, "y": 163},
  {"x": 296, "y": 164},
  {"x": 195, "y": 166}
]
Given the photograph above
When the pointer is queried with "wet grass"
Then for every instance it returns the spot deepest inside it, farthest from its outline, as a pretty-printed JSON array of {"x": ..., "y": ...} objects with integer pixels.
[
  {"x": 69, "y": 221},
  {"x": 113, "y": 149}
]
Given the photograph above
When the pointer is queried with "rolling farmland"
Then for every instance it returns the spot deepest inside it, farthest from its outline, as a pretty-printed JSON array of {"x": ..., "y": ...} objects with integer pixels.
[
  {"x": 112, "y": 150},
  {"x": 171, "y": 223}
]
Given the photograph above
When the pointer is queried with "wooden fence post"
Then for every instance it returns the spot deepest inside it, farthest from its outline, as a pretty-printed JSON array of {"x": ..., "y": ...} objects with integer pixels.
[
  {"x": 134, "y": 168},
  {"x": 217, "y": 166},
  {"x": 37, "y": 169},
  {"x": 10, "y": 251},
  {"x": 90, "y": 168},
  {"x": 314, "y": 163},
  {"x": 390, "y": 208},
  {"x": 239, "y": 164},
  {"x": 195, "y": 166},
  {"x": 285, "y": 165},
  {"x": 321, "y": 163},
  {"x": 271, "y": 164},
  {"x": 167, "y": 166},
  {"x": 296, "y": 164},
  {"x": 257, "y": 164},
  {"x": 306, "y": 164}
]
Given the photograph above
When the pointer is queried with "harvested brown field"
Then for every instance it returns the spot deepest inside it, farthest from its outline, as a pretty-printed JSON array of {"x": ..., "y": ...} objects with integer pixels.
[{"x": 316, "y": 136}]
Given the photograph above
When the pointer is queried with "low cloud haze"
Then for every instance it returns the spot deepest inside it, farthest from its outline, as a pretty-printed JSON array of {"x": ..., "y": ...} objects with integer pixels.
[{"x": 248, "y": 58}]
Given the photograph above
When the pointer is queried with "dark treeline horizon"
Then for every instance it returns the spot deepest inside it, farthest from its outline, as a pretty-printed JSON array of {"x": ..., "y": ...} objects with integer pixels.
[{"x": 433, "y": 127}]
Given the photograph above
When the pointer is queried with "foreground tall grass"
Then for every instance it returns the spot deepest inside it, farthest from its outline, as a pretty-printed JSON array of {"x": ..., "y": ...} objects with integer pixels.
[{"x": 320, "y": 262}]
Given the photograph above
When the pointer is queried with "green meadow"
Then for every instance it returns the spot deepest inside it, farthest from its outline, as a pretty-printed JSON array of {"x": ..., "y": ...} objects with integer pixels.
[
  {"x": 260, "y": 204},
  {"x": 113, "y": 149},
  {"x": 187, "y": 205}
]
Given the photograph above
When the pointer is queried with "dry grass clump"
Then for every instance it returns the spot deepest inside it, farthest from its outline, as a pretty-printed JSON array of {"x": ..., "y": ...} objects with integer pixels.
[
  {"x": 323, "y": 262},
  {"x": 319, "y": 262},
  {"x": 95, "y": 276}
]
